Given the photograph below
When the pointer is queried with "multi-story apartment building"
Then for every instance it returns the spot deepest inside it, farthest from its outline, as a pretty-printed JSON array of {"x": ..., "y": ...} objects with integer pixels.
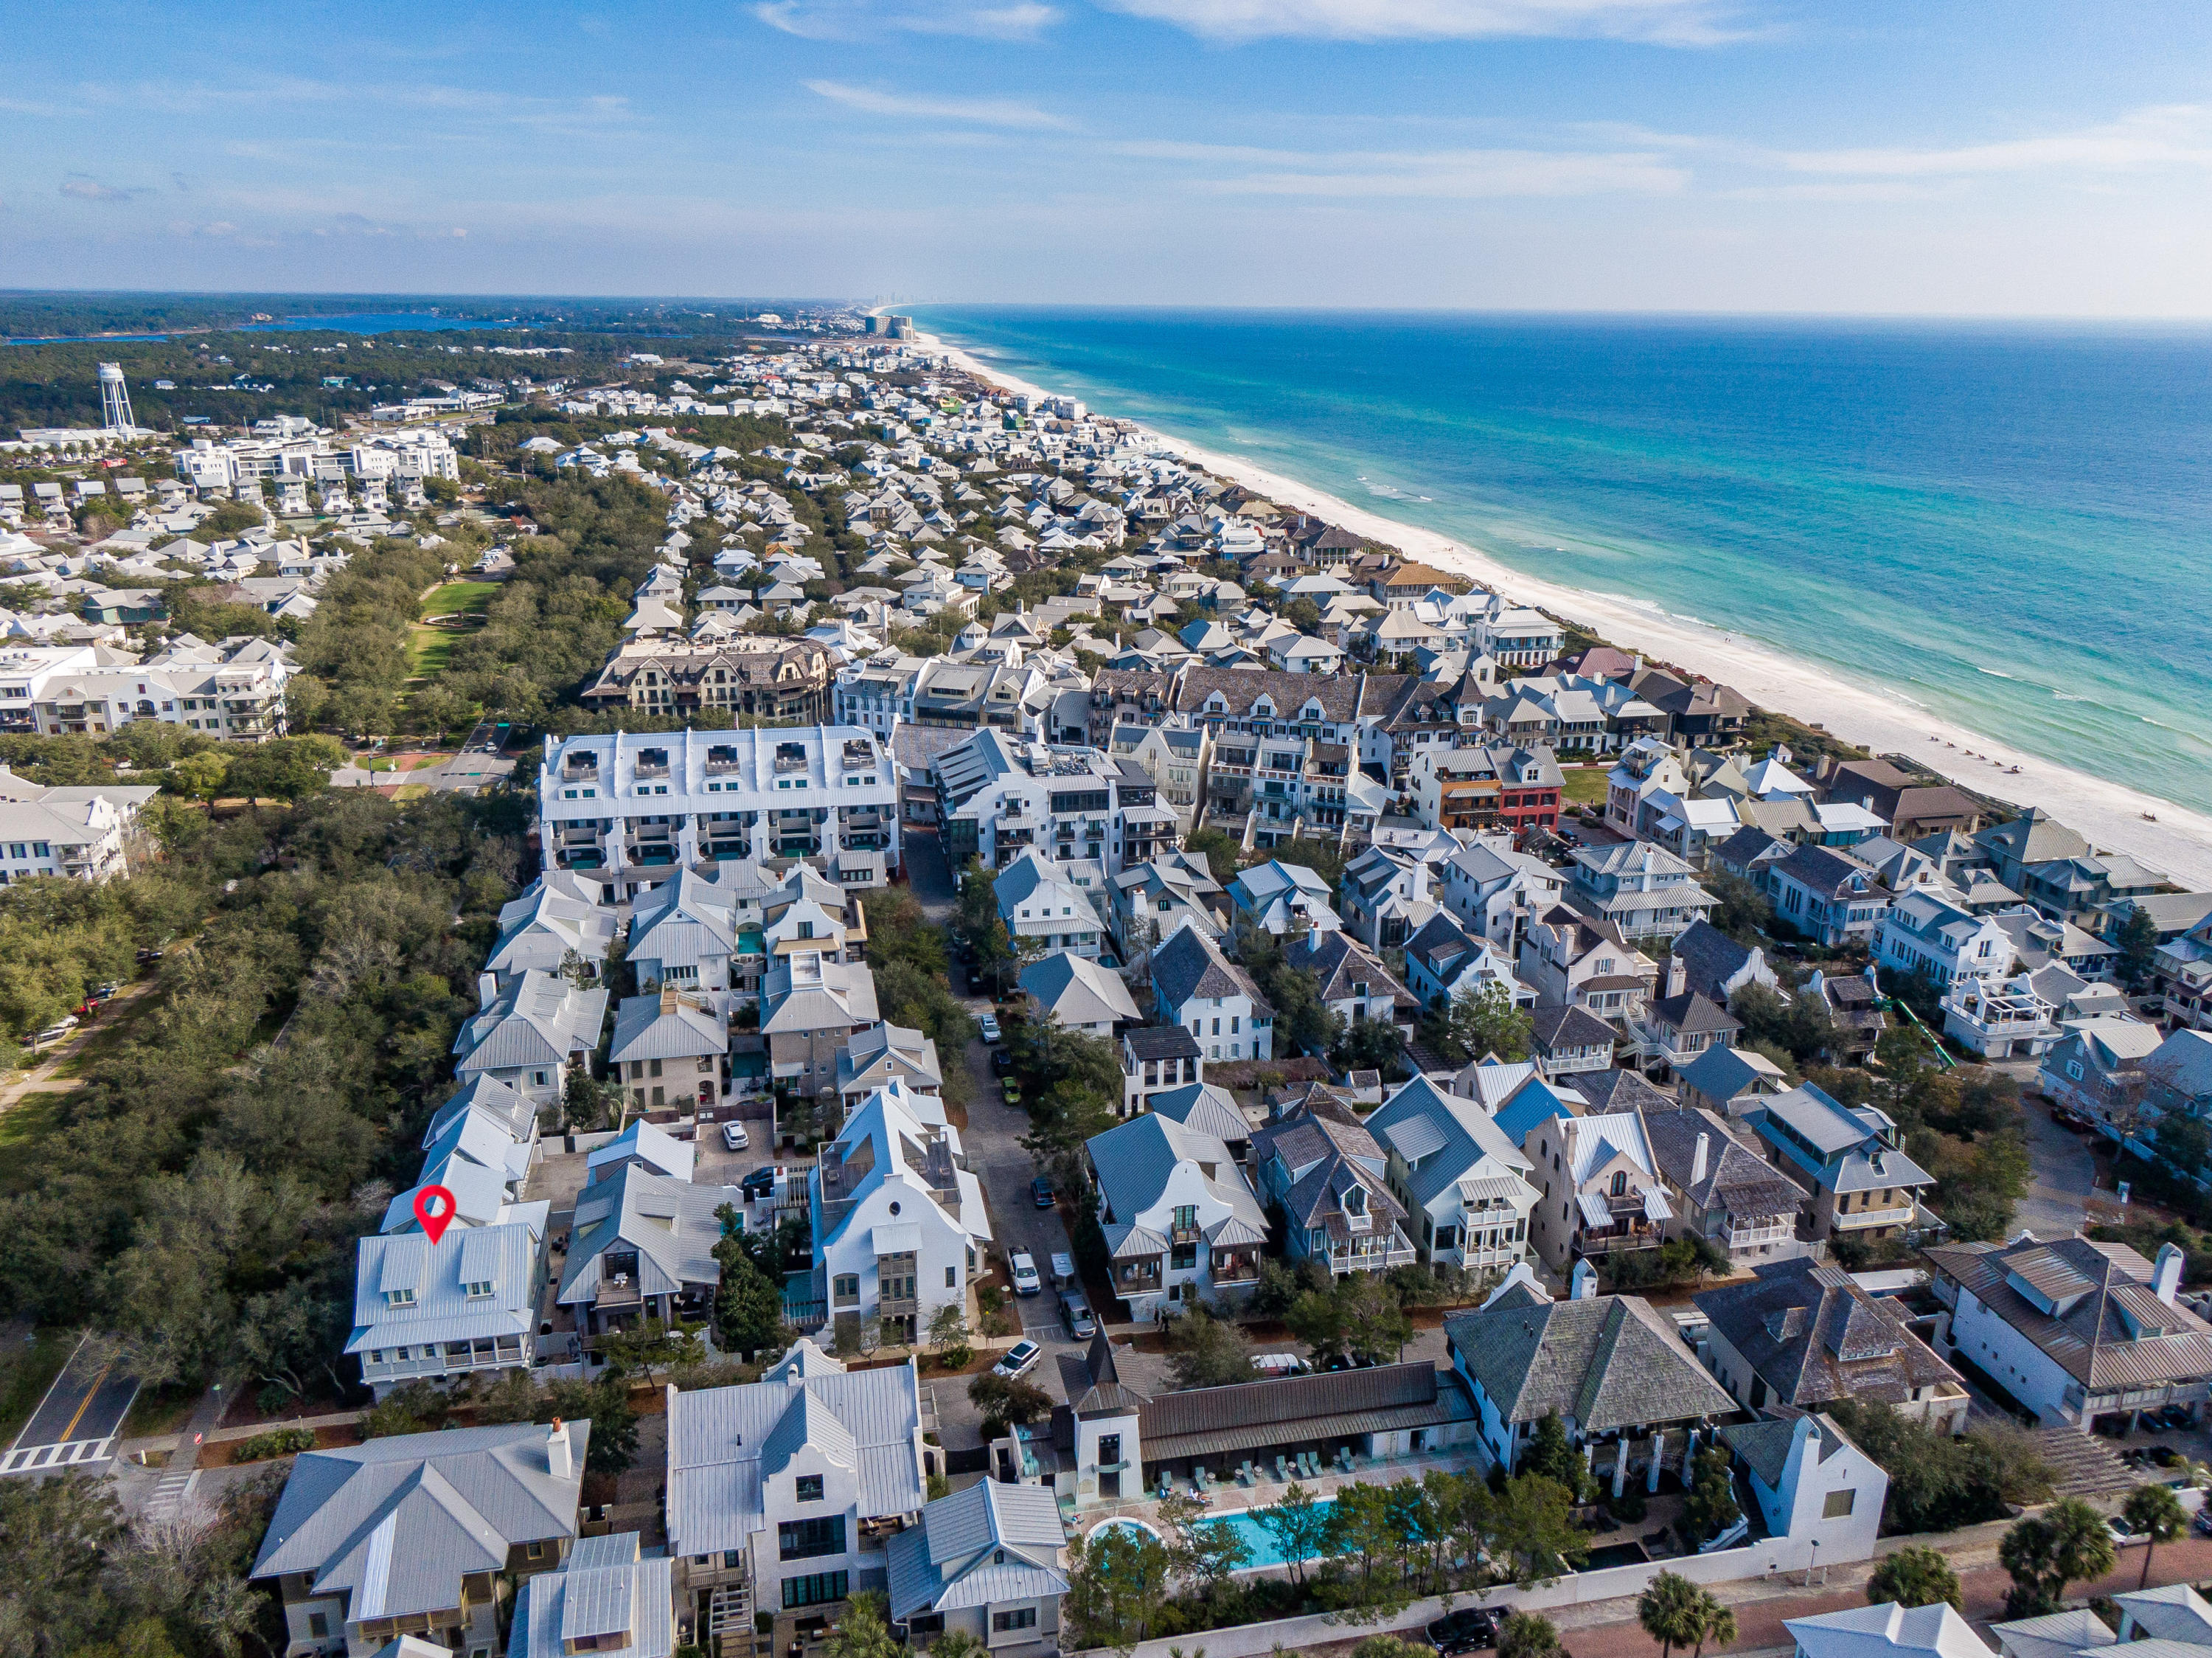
[
  {"x": 998, "y": 796},
  {"x": 1850, "y": 1158},
  {"x": 82, "y": 832},
  {"x": 633, "y": 806},
  {"x": 233, "y": 690},
  {"x": 1326, "y": 1175},
  {"x": 1643, "y": 890},
  {"x": 769, "y": 678},
  {"x": 1176, "y": 758}
]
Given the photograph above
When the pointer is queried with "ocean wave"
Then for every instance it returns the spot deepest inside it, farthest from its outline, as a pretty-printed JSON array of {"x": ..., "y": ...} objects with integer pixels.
[
  {"x": 2068, "y": 697},
  {"x": 1995, "y": 674}
]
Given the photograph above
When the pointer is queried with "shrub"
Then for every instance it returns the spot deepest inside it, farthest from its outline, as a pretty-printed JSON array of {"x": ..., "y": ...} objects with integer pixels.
[{"x": 282, "y": 1442}]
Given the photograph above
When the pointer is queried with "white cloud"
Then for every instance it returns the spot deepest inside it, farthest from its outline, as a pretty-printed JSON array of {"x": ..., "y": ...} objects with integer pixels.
[
  {"x": 1671, "y": 22},
  {"x": 1467, "y": 174},
  {"x": 845, "y": 20},
  {"x": 2164, "y": 136},
  {"x": 88, "y": 189},
  {"x": 985, "y": 111}
]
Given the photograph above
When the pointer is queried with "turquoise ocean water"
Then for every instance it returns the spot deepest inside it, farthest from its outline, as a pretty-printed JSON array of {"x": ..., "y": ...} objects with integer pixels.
[{"x": 2009, "y": 524}]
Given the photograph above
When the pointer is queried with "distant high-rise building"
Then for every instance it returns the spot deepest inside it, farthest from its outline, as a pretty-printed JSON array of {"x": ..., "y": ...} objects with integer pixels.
[{"x": 114, "y": 400}]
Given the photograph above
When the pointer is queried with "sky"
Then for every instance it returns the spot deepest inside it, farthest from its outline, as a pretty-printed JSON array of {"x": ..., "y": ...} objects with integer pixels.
[{"x": 2021, "y": 159}]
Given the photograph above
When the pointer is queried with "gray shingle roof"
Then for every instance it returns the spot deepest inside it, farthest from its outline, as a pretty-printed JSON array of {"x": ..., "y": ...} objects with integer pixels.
[
  {"x": 1815, "y": 1336},
  {"x": 1605, "y": 1362}
]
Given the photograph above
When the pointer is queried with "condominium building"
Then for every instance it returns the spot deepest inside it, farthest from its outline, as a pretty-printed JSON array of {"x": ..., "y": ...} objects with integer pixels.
[{"x": 635, "y": 806}]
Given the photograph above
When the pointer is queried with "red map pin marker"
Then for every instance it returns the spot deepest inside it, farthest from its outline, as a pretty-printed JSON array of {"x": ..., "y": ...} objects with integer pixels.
[{"x": 434, "y": 1207}]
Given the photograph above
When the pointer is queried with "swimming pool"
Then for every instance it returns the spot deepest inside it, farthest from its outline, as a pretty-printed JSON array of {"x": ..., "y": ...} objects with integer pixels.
[{"x": 1258, "y": 1540}]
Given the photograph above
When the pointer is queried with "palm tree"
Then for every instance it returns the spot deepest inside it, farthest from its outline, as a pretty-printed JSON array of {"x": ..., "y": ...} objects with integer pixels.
[
  {"x": 1670, "y": 1613},
  {"x": 2157, "y": 1513},
  {"x": 1716, "y": 1623}
]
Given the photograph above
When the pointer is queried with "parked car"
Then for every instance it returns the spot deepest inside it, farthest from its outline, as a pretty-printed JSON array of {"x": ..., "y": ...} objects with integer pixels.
[
  {"x": 2175, "y": 1416},
  {"x": 1075, "y": 1312},
  {"x": 1021, "y": 1358},
  {"x": 1002, "y": 1062},
  {"x": 2123, "y": 1535},
  {"x": 2202, "y": 1523},
  {"x": 1041, "y": 1193},
  {"x": 2067, "y": 1117},
  {"x": 988, "y": 1024},
  {"x": 1468, "y": 1629},
  {"x": 104, "y": 991},
  {"x": 1012, "y": 1090},
  {"x": 1021, "y": 1266},
  {"x": 54, "y": 1032},
  {"x": 761, "y": 1182},
  {"x": 735, "y": 1137}
]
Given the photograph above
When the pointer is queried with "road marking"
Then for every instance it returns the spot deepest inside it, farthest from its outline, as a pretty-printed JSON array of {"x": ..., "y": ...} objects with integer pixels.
[{"x": 85, "y": 1403}]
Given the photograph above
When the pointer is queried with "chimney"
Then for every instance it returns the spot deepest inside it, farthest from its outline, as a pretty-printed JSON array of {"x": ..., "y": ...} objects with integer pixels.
[
  {"x": 560, "y": 1457},
  {"x": 2166, "y": 1273},
  {"x": 487, "y": 989},
  {"x": 1698, "y": 1160},
  {"x": 1678, "y": 974}
]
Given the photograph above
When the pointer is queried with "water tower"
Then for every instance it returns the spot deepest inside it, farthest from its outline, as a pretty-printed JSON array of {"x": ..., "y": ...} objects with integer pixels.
[{"x": 114, "y": 400}]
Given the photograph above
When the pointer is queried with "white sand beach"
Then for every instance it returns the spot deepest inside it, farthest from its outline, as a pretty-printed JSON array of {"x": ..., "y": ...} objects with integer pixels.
[{"x": 2110, "y": 815}]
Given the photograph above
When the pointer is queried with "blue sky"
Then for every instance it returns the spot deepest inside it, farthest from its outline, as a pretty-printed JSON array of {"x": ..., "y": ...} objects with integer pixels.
[{"x": 2019, "y": 159}]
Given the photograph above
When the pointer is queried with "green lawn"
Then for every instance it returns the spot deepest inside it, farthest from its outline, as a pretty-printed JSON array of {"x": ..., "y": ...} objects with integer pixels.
[
  {"x": 473, "y": 597},
  {"x": 1585, "y": 784},
  {"x": 27, "y": 1368},
  {"x": 428, "y": 648}
]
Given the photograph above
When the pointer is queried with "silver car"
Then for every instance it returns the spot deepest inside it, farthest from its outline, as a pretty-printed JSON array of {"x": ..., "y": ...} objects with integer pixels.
[
  {"x": 1075, "y": 1312},
  {"x": 1020, "y": 1359}
]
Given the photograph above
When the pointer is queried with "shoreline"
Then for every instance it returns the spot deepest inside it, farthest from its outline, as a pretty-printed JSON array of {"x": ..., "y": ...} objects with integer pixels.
[{"x": 2110, "y": 815}]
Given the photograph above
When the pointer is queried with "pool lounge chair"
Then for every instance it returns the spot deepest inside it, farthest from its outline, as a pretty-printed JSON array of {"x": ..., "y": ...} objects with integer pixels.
[
  {"x": 1205, "y": 1479},
  {"x": 1245, "y": 1475},
  {"x": 1283, "y": 1470},
  {"x": 1344, "y": 1458},
  {"x": 1167, "y": 1484}
]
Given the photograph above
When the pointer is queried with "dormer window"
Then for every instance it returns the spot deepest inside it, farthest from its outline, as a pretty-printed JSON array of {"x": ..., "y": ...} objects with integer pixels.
[
  {"x": 399, "y": 1298},
  {"x": 481, "y": 1287}
]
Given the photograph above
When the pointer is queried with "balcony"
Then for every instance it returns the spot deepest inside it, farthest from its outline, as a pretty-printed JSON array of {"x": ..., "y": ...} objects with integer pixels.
[
  {"x": 650, "y": 769},
  {"x": 1757, "y": 1237},
  {"x": 1860, "y": 1218},
  {"x": 1373, "y": 1254}
]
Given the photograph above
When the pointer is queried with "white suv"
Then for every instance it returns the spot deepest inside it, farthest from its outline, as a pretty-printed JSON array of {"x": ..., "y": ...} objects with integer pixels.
[{"x": 1023, "y": 1267}]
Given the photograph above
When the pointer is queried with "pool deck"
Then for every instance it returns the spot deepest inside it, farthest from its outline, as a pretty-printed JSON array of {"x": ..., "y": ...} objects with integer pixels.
[{"x": 1229, "y": 1497}]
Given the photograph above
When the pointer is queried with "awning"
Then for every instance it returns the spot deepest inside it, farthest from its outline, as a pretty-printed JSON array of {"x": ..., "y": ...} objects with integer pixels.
[
  {"x": 1597, "y": 1211},
  {"x": 1655, "y": 1206}
]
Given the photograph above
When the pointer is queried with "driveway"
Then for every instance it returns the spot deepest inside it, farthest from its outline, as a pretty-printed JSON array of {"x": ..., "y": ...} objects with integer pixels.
[
  {"x": 2064, "y": 1170},
  {"x": 929, "y": 874}
]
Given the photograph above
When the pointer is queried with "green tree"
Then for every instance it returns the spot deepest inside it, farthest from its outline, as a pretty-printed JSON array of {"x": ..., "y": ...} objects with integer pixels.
[
  {"x": 1527, "y": 1635},
  {"x": 652, "y": 1348},
  {"x": 1710, "y": 1508},
  {"x": 1204, "y": 1352},
  {"x": 1670, "y": 1612},
  {"x": 748, "y": 1305},
  {"x": 2137, "y": 939},
  {"x": 2156, "y": 1512},
  {"x": 287, "y": 769},
  {"x": 1300, "y": 1529},
  {"x": 1200, "y": 1553},
  {"x": 54, "y": 1536},
  {"x": 1117, "y": 1585},
  {"x": 1008, "y": 1399},
  {"x": 1482, "y": 1023},
  {"x": 201, "y": 775},
  {"x": 948, "y": 1334},
  {"x": 2067, "y": 1543},
  {"x": 1914, "y": 1576},
  {"x": 1532, "y": 1530},
  {"x": 1551, "y": 1454},
  {"x": 1217, "y": 849},
  {"x": 864, "y": 1631}
]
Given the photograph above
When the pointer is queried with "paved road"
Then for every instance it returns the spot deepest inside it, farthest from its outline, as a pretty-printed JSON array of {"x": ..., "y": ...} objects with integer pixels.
[{"x": 76, "y": 1422}]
